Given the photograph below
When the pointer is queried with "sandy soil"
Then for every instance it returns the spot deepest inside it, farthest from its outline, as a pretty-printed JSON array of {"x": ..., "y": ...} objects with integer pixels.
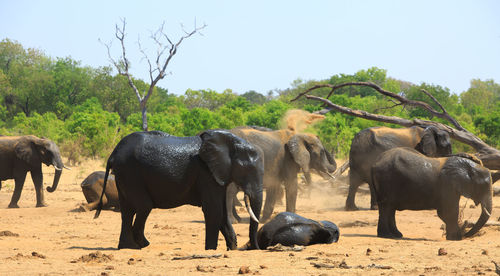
[{"x": 58, "y": 240}]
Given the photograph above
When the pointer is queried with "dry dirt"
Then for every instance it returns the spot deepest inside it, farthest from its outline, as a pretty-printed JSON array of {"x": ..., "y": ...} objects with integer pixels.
[{"x": 58, "y": 240}]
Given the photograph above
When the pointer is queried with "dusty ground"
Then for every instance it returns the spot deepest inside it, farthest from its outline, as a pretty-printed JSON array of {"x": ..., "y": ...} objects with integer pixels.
[{"x": 58, "y": 240}]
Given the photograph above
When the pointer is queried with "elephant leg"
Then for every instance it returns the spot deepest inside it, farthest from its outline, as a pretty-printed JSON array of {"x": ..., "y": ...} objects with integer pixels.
[
  {"x": 231, "y": 199},
  {"x": 140, "y": 222},
  {"x": 383, "y": 227},
  {"x": 354, "y": 182},
  {"x": 37, "y": 178},
  {"x": 213, "y": 224},
  {"x": 373, "y": 198},
  {"x": 291, "y": 188},
  {"x": 19, "y": 183},
  {"x": 271, "y": 193},
  {"x": 126, "y": 236},
  {"x": 392, "y": 224},
  {"x": 228, "y": 231},
  {"x": 449, "y": 216}
]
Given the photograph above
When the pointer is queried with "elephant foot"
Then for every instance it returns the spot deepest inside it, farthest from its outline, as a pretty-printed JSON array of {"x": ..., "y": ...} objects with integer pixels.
[
  {"x": 41, "y": 204},
  {"x": 396, "y": 234},
  {"x": 13, "y": 205},
  {"x": 351, "y": 208},
  {"x": 143, "y": 243},
  {"x": 128, "y": 245}
]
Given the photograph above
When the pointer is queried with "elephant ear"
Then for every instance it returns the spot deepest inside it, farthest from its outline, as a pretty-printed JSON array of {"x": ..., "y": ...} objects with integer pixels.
[
  {"x": 427, "y": 144},
  {"x": 25, "y": 150},
  {"x": 215, "y": 152},
  {"x": 297, "y": 148}
]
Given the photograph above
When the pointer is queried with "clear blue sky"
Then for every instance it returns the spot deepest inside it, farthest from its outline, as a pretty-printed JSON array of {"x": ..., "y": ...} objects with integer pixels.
[{"x": 265, "y": 45}]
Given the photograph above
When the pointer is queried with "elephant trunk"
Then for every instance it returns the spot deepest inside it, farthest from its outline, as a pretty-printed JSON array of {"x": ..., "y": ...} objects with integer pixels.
[
  {"x": 254, "y": 211},
  {"x": 58, "y": 165},
  {"x": 57, "y": 176},
  {"x": 486, "y": 207}
]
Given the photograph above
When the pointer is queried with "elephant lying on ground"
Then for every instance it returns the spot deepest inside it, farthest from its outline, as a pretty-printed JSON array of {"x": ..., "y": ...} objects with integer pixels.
[
  {"x": 405, "y": 179},
  {"x": 286, "y": 153},
  {"x": 92, "y": 190},
  {"x": 22, "y": 154},
  {"x": 370, "y": 143},
  {"x": 156, "y": 170},
  {"x": 291, "y": 229}
]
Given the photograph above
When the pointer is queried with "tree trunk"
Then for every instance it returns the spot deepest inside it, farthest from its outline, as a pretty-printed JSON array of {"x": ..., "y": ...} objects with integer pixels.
[{"x": 144, "y": 116}]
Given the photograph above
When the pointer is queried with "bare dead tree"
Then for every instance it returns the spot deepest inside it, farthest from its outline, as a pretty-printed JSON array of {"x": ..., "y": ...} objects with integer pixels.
[
  {"x": 157, "y": 67},
  {"x": 489, "y": 156}
]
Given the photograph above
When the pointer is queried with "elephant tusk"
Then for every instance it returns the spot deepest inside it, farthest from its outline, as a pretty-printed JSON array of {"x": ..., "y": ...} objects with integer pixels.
[
  {"x": 249, "y": 209},
  {"x": 486, "y": 211},
  {"x": 64, "y": 166},
  {"x": 57, "y": 168},
  {"x": 330, "y": 175}
]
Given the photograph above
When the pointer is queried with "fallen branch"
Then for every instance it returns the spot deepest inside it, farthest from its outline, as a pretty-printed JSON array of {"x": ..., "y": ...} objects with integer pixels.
[{"x": 196, "y": 256}]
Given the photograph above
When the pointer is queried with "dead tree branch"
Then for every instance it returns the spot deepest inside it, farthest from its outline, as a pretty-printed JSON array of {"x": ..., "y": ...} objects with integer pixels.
[
  {"x": 488, "y": 155},
  {"x": 157, "y": 72}
]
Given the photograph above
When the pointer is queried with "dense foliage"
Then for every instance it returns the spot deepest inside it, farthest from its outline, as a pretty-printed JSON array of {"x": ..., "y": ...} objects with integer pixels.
[{"x": 86, "y": 111}]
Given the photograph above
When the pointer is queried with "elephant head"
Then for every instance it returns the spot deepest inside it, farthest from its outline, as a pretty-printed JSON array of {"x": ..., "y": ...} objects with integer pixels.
[
  {"x": 470, "y": 179},
  {"x": 309, "y": 153},
  {"x": 434, "y": 142},
  {"x": 34, "y": 151},
  {"x": 232, "y": 159}
]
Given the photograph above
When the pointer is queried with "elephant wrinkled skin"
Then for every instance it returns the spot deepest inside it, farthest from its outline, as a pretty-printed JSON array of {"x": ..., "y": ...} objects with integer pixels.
[
  {"x": 370, "y": 143},
  {"x": 156, "y": 170},
  {"x": 22, "y": 154},
  {"x": 405, "y": 179},
  {"x": 92, "y": 190},
  {"x": 286, "y": 153}
]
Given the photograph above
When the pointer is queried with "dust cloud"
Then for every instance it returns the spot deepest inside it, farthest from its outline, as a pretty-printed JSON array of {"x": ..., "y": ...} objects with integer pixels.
[{"x": 297, "y": 120}]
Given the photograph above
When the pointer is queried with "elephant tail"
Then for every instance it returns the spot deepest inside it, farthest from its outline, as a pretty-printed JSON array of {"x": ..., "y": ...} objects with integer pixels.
[{"x": 99, "y": 206}]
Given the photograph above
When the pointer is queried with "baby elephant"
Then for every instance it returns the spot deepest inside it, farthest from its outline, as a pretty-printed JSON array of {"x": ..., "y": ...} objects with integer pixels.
[
  {"x": 405, "y": 179},
  {"x": 92, "y": 189},
  {"x": 291, "y": 229}
]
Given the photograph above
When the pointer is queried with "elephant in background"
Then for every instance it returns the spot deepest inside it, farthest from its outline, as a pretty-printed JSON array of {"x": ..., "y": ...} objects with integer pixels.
[
  {"x": 286, "y": 153},
  {"x": 22, "y": 154},
  {"x": 156, "y": 170},
  {"x": 370, "y": 143},
  {"x": 405, "y": 179},
  {"x": 291, "y": 229},
  {"x": 92, "y": 189}
]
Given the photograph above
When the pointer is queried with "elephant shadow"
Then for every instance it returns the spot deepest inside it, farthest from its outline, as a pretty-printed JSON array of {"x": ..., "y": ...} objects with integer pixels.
[
  {"x": 94, "y": 248},
  {"x": 375, "y": 236}
]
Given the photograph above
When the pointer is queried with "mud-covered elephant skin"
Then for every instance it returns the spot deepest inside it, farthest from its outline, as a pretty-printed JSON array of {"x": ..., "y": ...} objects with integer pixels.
[
  {"x": 92, "y": 190},
  {"x": 291, "y": 229},
  {"x": 286, "y": 153},
  {"x": 22, "y": 154},
  {"x": 370, "y": 143},
  {"x": 156, "y": 170},
  {"x": 405, "y": 179}
]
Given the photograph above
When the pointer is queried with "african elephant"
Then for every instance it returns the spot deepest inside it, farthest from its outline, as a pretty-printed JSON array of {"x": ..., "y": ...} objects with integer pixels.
[
  {"x": 291, "y": 229},
  {"x": 20, "y": 154},
  {"x": 369, "y": 143},
  {"x": 285, "y": 154},
  {"x": 156, "y": 170},
  {"x": 405, "y": 179},
  {"x": 92, "y": 189}
]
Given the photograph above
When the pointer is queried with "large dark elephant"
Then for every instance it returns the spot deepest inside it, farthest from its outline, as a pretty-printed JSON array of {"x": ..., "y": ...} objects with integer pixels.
[
  {"x": 291, "y": 229},
  {"x": 156, "y": 170},
  {"x": 286, "y": 153},
  {"x": 405, "y": 179},
  {"x": 22, "y": 154},
  {"x": 92, "y": 189},
  {"x": 369, "y": 143}
]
